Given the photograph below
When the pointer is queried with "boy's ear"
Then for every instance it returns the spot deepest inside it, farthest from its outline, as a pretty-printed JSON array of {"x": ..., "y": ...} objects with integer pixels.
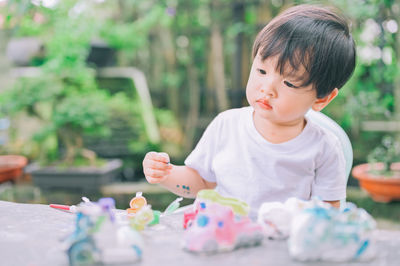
[{"x": 320, "y": 103}]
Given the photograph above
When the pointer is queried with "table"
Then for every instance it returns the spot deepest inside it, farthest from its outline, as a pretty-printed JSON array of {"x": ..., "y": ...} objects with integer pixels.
[{"x": 30, "y": 234}]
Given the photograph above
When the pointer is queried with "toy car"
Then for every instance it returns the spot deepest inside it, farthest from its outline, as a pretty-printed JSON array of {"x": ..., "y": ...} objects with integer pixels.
[
  {"x": 208, "y": 196},
  {"x": 216, "y": 228},
  {"x": 98, "y": 238}
]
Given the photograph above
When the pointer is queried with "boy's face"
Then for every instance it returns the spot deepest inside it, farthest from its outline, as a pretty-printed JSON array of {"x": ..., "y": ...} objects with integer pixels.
[{"x": 278, "y": 98}]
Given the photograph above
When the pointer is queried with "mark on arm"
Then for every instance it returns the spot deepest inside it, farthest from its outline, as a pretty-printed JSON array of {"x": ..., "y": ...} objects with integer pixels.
[{"x": 184, "y": 189}]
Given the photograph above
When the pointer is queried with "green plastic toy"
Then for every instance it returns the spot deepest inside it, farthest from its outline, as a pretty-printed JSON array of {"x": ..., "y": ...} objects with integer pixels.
[{"x": 238, "y": 206}]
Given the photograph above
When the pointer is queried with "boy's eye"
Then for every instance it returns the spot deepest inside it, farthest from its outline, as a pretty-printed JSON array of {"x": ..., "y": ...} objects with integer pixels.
[
  {"x": 261, "y": 71},
  {"x": 290, "y": 85}
]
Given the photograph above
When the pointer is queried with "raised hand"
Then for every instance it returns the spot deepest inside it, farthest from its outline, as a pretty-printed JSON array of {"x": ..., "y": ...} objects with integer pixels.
[{"x": 156, "y": 167}]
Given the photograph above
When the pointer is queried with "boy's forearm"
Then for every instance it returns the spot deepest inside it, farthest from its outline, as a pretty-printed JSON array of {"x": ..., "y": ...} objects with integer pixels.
[
  {"x": 185, "y": 181},
  {"x": 335, "y": 203}
]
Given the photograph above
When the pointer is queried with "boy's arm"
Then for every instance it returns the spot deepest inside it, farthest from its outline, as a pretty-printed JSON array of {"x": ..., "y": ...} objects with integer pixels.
[
  {"x": 181, "y": 180},
  {"x": 185, "y": 181},
  {"x": 334, "y": 203}
]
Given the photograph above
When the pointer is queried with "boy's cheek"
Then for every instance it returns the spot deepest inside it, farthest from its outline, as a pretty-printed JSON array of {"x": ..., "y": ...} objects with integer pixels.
[{"x": 251, "y": 85}]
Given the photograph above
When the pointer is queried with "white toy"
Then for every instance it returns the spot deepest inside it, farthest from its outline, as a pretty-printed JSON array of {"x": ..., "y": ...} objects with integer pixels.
[
  {"x": 276, "y": 217},
  {"x": 332, "y": 235}
]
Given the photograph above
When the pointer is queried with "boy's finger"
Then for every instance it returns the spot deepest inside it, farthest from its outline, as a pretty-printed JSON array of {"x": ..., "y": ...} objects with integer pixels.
[
  {"x": 154, "y": 173},
  {"x": 157, "y": 165},
  {"x": 160, "y": 165},
  {"x": 154, "y": 180},
  {"x": 150, "y": 155},
  {"x": 165, "y": 156},
  {"x": 157, "y": 156}
]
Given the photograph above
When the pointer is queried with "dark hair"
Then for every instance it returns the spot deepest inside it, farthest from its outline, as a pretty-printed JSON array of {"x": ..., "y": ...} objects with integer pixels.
[{"x": 314, "y": 37}]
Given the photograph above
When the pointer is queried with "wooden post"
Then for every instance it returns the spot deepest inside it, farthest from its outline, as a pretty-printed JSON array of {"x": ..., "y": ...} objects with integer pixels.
[
  {"x": 392, "y": 126},
  {"x": 396, "y": 85},
  {"x": 237, "y": 78},
  {"x": 381, "y": 126},
  {"x": 5, "y": 80}
]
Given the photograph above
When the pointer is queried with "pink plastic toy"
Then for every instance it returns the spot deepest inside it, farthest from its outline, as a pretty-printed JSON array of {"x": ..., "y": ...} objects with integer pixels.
[
  {"x": 208, "y": 196},
  {"x": 216, "y": 228},
  {"x": 189, "y": 215}
]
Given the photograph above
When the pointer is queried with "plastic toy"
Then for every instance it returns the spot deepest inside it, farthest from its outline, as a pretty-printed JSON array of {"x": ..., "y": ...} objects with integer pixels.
[
  {"x": 137, "y": 203},
  {"x": 98, "y": 238},
  {"x": 276, "y": 217},
  {"x": 207, "y": 196},
  {"x": 171, "y": 208},
  {"x": 142, "y": 218},
  {"x": 66, "y": 208},
  {"x": 189, "y": 216},
  {"x": 216, "y": 228},
  {"x": 140, "y": 213},
  {"x": 238, "y": 206},
  {"x": 332, "y": 235}
]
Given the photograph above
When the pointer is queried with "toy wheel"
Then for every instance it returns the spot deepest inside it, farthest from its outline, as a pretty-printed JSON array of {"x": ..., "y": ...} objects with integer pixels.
[
  {"x": 210, "y": 246},
  {"x": 258, "y": 238},
  {"x": 243, "y": 241},
  {"x": 81, "y": 252}
]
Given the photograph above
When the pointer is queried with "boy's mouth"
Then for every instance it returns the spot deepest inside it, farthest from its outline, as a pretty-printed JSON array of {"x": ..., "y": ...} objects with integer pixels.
[{"x": 264, "y": 104}]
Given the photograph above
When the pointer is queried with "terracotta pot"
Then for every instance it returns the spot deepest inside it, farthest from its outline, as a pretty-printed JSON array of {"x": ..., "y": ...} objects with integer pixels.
[
  {"x": 380, "y": 188},
  {"x": 11, "y": 167}
]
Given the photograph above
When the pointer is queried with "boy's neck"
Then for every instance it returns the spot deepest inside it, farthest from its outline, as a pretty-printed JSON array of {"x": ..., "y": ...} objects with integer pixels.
[{"x": 278, "y": 133}]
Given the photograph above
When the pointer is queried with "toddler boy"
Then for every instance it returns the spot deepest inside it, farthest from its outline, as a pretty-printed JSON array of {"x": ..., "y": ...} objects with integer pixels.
[{"x": 269, "y": 151}]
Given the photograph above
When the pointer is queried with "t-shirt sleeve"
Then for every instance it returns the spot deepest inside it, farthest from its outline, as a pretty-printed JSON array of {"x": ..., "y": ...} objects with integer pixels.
[
  {"x": 201, "y": 158},
  {"x": 330, "y": 179}
]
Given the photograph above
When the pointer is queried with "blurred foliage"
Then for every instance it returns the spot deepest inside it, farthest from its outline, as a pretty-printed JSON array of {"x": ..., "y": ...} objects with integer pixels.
[
  {"x": 370, "y": 94},
  {"x": 65, "y": 96},
  {"x": 383, "y": 156}
]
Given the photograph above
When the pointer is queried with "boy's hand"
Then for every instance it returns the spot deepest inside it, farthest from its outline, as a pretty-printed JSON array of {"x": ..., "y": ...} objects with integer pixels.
[{"x": 156, "y": 167}]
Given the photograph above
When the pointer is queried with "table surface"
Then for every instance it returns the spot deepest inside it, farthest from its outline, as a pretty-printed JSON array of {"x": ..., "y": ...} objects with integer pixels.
[{"x": 30, "y": 234}]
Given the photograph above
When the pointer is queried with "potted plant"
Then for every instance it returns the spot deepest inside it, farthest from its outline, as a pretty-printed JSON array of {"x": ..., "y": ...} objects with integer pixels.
[
  {"x": 68, "y": 103},
  {"x": 380, "y": 177},
  {"x": 11, "y": 167}
]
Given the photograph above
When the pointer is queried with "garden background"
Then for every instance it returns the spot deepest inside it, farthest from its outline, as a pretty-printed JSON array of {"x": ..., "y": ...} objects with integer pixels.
[{"x": 195, "y": 56}]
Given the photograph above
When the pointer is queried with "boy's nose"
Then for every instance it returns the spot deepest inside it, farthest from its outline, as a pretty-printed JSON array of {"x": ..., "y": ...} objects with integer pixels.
[{"x": 268, "y": 88}]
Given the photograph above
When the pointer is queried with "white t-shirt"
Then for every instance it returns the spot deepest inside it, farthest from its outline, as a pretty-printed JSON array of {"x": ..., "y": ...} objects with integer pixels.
[{"x": 244, "y": 165}]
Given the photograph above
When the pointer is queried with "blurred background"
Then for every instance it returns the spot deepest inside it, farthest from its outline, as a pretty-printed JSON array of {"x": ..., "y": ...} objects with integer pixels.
[{"x": 86, "y": 82}]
